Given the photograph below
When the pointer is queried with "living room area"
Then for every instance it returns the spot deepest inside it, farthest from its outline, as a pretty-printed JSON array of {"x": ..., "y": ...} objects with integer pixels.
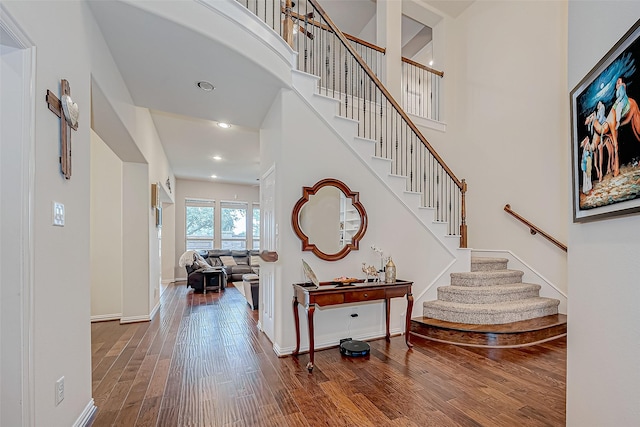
[{"x": 206, "y": 216}]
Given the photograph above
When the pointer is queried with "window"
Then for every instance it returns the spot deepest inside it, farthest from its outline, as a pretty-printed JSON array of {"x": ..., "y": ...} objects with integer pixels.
[
  {"x": 256, "y": 227},
  {"x": 199, "y": 218},
  {"x": 233, "y": 225}
]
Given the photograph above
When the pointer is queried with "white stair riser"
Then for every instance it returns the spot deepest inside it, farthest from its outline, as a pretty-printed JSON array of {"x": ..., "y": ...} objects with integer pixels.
[{"x": 326, "y": 106}]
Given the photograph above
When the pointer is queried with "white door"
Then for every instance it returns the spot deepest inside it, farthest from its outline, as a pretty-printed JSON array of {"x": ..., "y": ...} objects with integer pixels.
[{"x": 268, "y": 240}]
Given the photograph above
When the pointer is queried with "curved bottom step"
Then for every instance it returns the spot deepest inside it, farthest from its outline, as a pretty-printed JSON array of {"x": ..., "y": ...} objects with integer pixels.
[{"x": 509, "y": 335}]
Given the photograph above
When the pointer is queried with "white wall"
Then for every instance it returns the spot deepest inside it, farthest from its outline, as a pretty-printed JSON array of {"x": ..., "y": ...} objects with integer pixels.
[
  {"x": 220, "y": 192},
  {"x": 136, "y": 226},
  {"x": 603, "y": 379},
  {"x": 303, "y": 162},
  {"x": 168, "y": 242},
  {"x": 506, "y": 109},
  {"x": 61, "y": 254},
  {"x": 106, "y": 232}
]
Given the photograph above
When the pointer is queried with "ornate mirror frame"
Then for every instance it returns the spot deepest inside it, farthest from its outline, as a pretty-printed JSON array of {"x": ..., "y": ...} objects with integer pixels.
[{"x": 310, "y": 191}]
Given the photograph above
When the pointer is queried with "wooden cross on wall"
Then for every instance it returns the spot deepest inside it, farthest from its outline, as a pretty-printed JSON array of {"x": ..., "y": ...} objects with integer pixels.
[{"x": 67, "y": 111}]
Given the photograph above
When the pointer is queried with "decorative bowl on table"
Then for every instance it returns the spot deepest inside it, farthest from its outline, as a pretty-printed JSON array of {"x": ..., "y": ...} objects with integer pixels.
[{"x": 344, "y": 281}]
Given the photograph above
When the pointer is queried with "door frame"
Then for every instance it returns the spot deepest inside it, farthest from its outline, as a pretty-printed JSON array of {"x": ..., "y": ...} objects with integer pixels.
[{"x": 24, "y": 207}]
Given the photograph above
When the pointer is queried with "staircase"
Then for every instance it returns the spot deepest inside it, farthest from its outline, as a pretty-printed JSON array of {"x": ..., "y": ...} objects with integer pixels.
[
  {"x": 483, "y": 293},
  {"x": 490, "y": 295}
]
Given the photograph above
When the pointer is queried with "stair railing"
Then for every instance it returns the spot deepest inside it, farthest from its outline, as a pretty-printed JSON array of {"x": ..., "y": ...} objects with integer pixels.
[
  {"x": 344, "y": 74},
  {"x": 534, "y": 229},
  {"x": 421, "y": 89}
]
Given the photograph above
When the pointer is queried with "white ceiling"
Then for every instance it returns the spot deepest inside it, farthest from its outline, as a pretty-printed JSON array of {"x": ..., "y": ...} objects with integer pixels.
[{"x": 161, "y": 62}]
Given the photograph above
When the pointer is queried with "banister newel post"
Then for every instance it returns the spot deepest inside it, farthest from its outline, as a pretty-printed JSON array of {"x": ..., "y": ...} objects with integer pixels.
[
  {"x": 287, "y": 26},
  {"x": 463, "y": 215}
]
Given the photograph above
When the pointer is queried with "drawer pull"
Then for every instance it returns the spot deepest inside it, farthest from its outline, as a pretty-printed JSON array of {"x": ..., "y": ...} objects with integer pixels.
[{"x": 366, "y": 295}]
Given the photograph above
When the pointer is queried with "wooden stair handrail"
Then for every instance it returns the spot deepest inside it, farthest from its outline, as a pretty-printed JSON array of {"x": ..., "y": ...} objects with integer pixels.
[
  {"x": 534, "y": 229},
  {"x": 385, "y": 92},
  {"x": 461, "y": 184}
]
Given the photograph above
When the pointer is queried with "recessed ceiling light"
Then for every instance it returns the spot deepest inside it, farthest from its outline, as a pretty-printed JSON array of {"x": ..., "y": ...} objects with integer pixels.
[
  {"x": 214, "y": 176},
  {"x": 217, "y": 158},
  {"x": 205, "y": 86},
  {"x": 224, "y": 125}
]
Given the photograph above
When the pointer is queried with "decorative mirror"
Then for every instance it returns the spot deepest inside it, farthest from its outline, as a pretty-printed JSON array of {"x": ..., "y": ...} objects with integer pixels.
[{"x": 329, "y": 219}]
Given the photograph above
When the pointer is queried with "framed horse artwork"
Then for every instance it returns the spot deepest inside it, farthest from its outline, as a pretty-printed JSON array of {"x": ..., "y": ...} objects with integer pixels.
[{"x": 605, "y": 134}]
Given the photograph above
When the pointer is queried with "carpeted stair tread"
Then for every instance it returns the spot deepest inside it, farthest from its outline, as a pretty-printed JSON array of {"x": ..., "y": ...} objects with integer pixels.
[
  {"x": 488, "y": 294},
  {"x": 487, "y": 278},
  {"x": 488, "y": 263},
  {"x": 491, "y": 314}
]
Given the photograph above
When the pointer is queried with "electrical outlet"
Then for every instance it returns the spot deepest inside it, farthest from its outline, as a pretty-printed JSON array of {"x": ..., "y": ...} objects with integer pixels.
[{"x": 59, "y": 390}]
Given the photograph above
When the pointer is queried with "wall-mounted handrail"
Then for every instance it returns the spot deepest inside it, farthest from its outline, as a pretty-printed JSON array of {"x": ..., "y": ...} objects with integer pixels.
[{"x": 534, "y": 229}]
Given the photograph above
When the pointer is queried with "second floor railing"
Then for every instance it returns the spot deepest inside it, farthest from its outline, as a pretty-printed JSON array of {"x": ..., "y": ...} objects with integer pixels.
[
  {"x": 420, "y": 84},
  {"x": 421, "y": 89},
  {"x": 350, "y": 77}
]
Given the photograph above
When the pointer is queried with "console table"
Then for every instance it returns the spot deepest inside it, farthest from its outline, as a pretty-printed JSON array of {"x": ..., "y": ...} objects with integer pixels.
[{"x": 330, "y": 293}]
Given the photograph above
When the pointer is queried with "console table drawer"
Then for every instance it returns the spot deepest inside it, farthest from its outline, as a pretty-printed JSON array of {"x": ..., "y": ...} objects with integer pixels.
[{"x": 357, "y": 296}]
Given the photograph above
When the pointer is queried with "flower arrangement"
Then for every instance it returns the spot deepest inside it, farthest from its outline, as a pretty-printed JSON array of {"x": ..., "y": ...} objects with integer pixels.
[{"x": 381, "y": 253}]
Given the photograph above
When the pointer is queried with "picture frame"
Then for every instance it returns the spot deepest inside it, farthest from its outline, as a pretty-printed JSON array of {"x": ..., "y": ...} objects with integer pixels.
[{"x": 605, "y": 134}]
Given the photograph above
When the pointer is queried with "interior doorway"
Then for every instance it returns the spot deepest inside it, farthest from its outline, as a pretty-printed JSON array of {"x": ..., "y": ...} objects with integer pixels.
[{"x": 17, "y": 71}]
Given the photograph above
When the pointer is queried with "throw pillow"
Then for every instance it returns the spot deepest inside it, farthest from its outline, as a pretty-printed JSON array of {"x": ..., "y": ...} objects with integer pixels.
[
  {"x": 255, "y": 260},
  {"x": 228, "y": 261}
]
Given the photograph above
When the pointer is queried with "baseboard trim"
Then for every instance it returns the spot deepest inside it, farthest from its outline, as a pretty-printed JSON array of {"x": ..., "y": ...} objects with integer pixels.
[
  {"x": 86, "y": 417},
  {"x": 105, "y": 317},
  {"x": 167, "y": 281},
  {"x": 135, "y": 319},
  {"x": 180, "y": 279}
]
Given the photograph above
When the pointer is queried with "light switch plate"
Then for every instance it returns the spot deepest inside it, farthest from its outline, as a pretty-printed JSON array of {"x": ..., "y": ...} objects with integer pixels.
[{"x": 58, "y": 214}]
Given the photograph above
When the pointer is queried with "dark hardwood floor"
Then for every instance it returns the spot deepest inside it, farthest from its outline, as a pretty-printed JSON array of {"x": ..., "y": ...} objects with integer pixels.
[{"x": 202, "y": 362}]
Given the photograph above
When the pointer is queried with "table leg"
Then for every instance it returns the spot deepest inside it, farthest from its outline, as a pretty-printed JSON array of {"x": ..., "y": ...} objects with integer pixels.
[
  {"x": 204, "y": 284},
  {"x": 310, "y": 310},
  {"x": 387, "y": 309},
  {"x": 408, "y": 320},
  {"x": 297, "y": 323}
]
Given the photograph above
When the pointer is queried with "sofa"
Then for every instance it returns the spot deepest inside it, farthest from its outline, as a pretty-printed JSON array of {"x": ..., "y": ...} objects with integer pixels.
[
  {"x": 235, "y": 263},
  {"x": 196, "y": 277}
]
